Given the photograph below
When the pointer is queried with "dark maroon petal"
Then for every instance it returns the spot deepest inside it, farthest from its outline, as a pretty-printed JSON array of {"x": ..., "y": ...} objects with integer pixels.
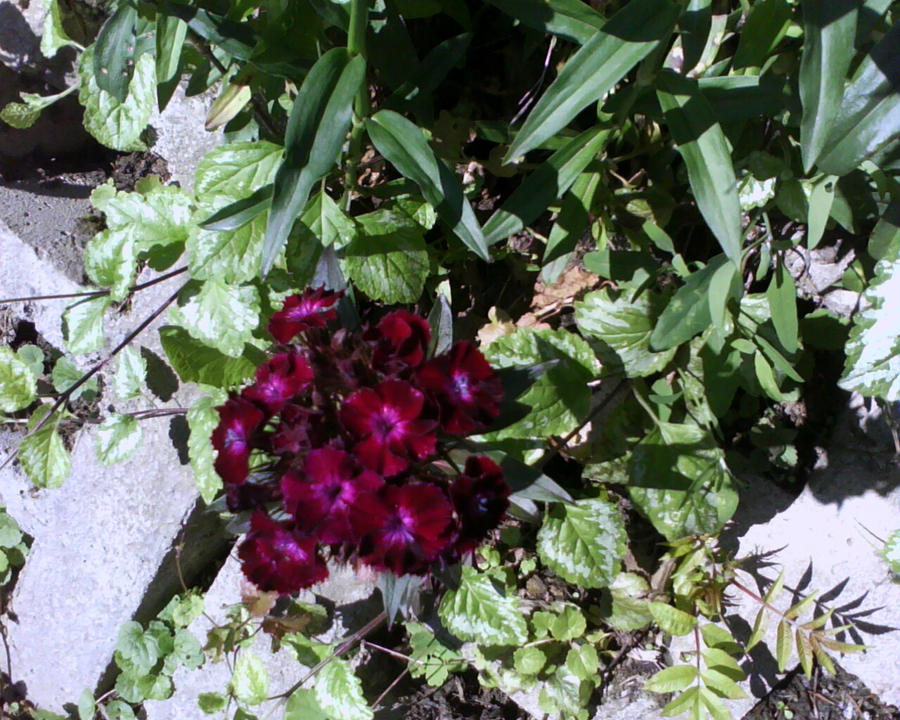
[
  {"x": 279, "y": 380},
  {"x": 232, "y": 438},
  {"x": 401, "y": 341},
  {"x": 481, "y": 497},
  {"x": 251, "y": 495},
  {"x": 320, "y": 500},
  {"x": 403, "y": 528},
  {"x": 276, "y": 559},
  {"x": 465, "y": 388},
  {"x": 296, "y": 430},
  {"x": 312, "y": 309},
  {"x": 387, "y": 424}
]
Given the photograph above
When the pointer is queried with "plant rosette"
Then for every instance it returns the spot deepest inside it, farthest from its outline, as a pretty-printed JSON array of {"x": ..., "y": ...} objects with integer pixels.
[{"x": 345, "y": 445}]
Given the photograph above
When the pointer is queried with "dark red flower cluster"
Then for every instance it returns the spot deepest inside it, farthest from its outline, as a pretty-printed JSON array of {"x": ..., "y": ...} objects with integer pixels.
[{"x": 347, "y": 434}]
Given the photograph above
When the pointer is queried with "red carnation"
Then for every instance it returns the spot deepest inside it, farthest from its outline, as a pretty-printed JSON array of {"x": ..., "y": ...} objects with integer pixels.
[
  {"x": 480, "y": 496},
  {"x": 312, "y": 309},
  {"x": 387, "y": 423},
  {"x": 232, "y": 438},
  {"x": 276, "y": 559},
  {"x": 279, "y": 380},
  {"x": 465, "y": 387},
  {"x": 403, "y": 528},
  {"x": 321, "y": 499},
  {"x": 401, "y": 341}
]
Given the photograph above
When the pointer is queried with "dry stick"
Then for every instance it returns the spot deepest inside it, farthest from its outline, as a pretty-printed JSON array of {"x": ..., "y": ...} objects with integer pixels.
[
  {"x": 343, "y": 648},
  {"x": 61, "y": 400},
  {"x": 95, "y": 293},
  {"x": 390, "y": 687}
]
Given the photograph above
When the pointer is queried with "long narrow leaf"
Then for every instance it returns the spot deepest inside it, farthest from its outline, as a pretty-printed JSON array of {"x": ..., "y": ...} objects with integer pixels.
[
  {"x": 316, "y": 130},
  {"x": 705, "y": 150},
  {"x": 695, "y": 25},
  {"x": 114, "y": 52},
  {"x": 403, "y": 145},
  {"x": 626, "y": 39},
  {"x": 870, "y": 111},
  {"x": 829, "y": 27},
  {"x": 572, "y": 19},
  {"x": 547, "y": 183}
]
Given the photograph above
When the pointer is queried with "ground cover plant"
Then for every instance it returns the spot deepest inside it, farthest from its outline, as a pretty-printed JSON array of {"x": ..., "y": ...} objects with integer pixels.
[{"x": 498, "y": 299}]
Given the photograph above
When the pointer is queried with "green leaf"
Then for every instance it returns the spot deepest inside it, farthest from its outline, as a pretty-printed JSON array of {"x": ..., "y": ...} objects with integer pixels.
[
  {"x": 53, "y": 36},
  {"x": 672, "y": 679},
  {"x": 783, "y": 644},
  {"x": 885, "y": 237},
  {"x": 872, "y": 367},
  {"x": 867, "y": 115},
  {"x": 722, "y": 684},
  {"x": 559, "y": 399},
  {"x": 119, "y": 710},
  {"x": 10, "y": 532},
  {"x": 212, "y": 702},
  {"x": 110, "y": 260},
  {"x": 329, "y": 224},
  {"x": 584, "y": 542},
  {"x": 135, "y": 689},
  {"x": 820, "y": 203},
  {"x": 43, "y": 455},
  {"x": 476, "y": 611},
  {"x": 339, "y": 693},
  {"x": 238, "y": 213},
  {"x": 233, "y": 256},
  {"x": 195, "y": 361},
  {"x": 116, "y": 124},
  {"x": 829, "y": 27},
  {"x": 891, "y": 553},
  {"x": 670, "y": 619},
  {"x": 388, "y": 260},
  {"x": 114, "y": 52},
  {"x": 680, "y": 482},
  {"x": 402, "y": 144},
  {"x": 716, "y": 708},
  {"x": 549, "y": 181},
  {"x": 131, "y": 369},
  {"x": 622, "y": 327},
  {"x": 624, "y": 40},
  {"x": 136, "y": 651},
  {"x": 250, "y": 681},
  {"x": 429, "y": 658},
  {"x": 33, "y": 357},
  {"x": 629, "y": 593},
  {"x": 170, "y": 35},
  {"x": 83, "y": 323},
  {"x": 316, "y": 130},
  {"x": 695, "y": 26},
  {"x": 707, "y": 155},
  {"x": 86, "y": 705},
  {"x": 688, "y": 700},
  {"x": 687, "y": 312},
  {"x": 571, "y": 19},
  {"x": 18, "y": 384},
  {"x": 583, "y": 662},
  {"x": 302, "y": 705},
  {"x": 782, "y": 297},
  {"x": 724, "y": 286},
  {"x": 182, "y": 610},
  {"x": 220, "y": 315},
  {"x": 117, "y": 438},
  {"x": 529, "y": 660},
  {"x": 186, "y": 650},
  {"x": 765, "y": 27},
  {"x": 202, "y": 419},
  {"x": 236, "y": 170}
]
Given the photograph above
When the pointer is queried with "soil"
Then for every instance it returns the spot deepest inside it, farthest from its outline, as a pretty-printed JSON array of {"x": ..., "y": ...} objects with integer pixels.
[{"x": 822, "y": 697}]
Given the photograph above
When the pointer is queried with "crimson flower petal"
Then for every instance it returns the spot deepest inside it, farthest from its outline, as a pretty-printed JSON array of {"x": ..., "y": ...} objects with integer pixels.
[
  {"x": 280, "y": 379},
  {"x": 481, "y": 497},
  {"x": 387, "y": 425},
  {"x": 403, "y": 528},
  {"x": 312, "y": 309},
  {"x": 233, "y": 439},
  {"x": 401, "y": 341},
  {"x": 275, "y": 559},
  {"x": 465, "y": 388}
]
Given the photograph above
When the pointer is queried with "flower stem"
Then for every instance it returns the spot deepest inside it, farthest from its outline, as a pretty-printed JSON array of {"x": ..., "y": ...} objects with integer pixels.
[{"x": 356, "y": 45}]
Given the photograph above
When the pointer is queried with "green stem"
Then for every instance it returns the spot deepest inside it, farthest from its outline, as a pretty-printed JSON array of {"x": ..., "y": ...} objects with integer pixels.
[{"x": 356, "y": 45}]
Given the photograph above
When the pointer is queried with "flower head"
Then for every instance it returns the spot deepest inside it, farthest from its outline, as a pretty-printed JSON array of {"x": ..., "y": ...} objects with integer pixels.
[
  {"x": 403, "y": 528},
  {"x": 387, "y": 423},
  {"x": 276, "y": 559},
  {"x": 401, "y": 341},
  {"x": 320, "y": 500},
  {"x": 480, "y": 497},
  {"x": 279, "y": 380},
  {"x": 233, "y": 438},
  {"x": 465, "y": 388},
  {"x": 312, "y": 309}
]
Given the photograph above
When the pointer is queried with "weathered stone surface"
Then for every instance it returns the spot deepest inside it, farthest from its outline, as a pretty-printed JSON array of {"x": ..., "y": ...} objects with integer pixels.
[{"x": 353, "y": 605}]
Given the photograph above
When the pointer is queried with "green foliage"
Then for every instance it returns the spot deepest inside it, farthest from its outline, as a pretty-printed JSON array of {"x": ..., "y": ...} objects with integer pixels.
[
  {"x": 479, "y": 612},
  {"x": 17, "y": 380}
]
